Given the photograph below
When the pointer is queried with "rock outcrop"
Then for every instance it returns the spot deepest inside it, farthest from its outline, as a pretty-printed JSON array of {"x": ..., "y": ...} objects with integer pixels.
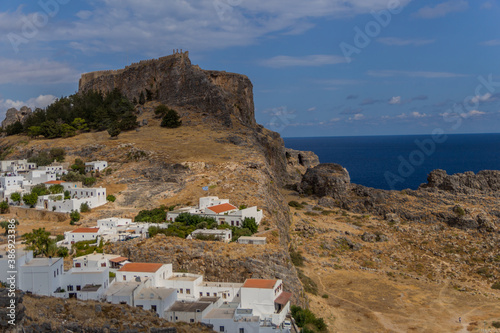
[
  {"x": 326, "y": 180},
  {"x": 174, "y": 81},
  {"x": 298, "y": 162},
  {"x": 13, "y": 115},
  {"x": 487, "y": 181}
]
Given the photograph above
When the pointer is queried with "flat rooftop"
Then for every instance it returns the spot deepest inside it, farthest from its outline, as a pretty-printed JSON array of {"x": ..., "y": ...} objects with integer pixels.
[
  {"x": 91, "y": 288},
  {"x": 157, "y": 293},
  {"x": 41, "y": 262},
  {"x": 183, "y": 278},
  {"x": 122, "y": 288},
  {"x": 189, "y": 306},
  {"x": 227, "y": 313}
]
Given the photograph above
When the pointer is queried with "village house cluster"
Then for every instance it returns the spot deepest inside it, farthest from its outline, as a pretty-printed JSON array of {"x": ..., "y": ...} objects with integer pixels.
[
  {"x": 221, "y": 210},
  {"x": 20, "y": 176},
  {"x": 257, "y": 305},
  {"x": 112, "y": 229}
]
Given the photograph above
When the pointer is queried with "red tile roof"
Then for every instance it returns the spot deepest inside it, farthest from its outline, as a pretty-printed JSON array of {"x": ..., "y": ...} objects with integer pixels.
[
  {"x": 222, "y": 208},
  {"x": 283, "y": 298},
  {"x": 85, "y": 230},
  {"x": 56, "y": 182},
  {"x": 140, "y": 267},
  {"x": 259, "y": 283},
  {"x": 118, "y": 260}
]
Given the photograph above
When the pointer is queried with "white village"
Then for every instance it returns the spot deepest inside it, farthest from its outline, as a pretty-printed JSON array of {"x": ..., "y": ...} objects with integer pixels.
[{"x": 256, "y": 305}]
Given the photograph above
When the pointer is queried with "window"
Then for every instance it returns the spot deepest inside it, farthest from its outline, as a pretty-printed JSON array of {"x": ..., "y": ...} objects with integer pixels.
[
  {"x": 215, "y": 294},
  {"x": 70, "y": 288},
  {"x": 103, "y": 264},
  {"x": 221, "y": 328},
  {"x": 78, "y": 288},
  {"x": 201, "y": 294},
  {"x": 153, "y": 307},
  {"x": 188, "y": 291},
  {"x": 191, "y": 320},
  {"x": 208, "y": 294},
  {"x": 140, "y": 306},
  {"x": 124, "y": 278},
  {"x": 182, "y": 291},
  {"x": 242, "y": 330}
]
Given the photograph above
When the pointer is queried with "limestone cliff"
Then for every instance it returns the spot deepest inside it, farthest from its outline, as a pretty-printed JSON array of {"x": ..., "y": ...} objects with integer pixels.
[{"x": 174, "y": 81}]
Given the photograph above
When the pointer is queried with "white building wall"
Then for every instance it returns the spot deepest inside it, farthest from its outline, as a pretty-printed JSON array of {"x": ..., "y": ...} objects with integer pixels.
[
  {"x": 11, "y": 182},
  {"x": 95, "y": 166},
  {"x": 41, "y": 280},
  {"x": 74, "y": 237},
  {"x": 156, "y": 278},
  {"x": 259, "y": 299},
  {"x": 231, "y": 326}
]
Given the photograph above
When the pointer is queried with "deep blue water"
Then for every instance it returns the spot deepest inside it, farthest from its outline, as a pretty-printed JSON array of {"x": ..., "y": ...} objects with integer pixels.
[{"x": 397, "y": 162}]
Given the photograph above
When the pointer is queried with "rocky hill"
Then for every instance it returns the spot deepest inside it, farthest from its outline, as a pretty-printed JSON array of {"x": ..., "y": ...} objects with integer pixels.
[{"x": 174, "y": 81}]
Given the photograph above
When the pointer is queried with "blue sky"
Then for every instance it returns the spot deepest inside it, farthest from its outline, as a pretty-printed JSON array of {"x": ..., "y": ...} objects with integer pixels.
[{"x": 319, "y": 68}]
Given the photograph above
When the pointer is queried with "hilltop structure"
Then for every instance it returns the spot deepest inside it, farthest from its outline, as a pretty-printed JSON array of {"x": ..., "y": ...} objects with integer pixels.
[{"x": 174, "y": 81}]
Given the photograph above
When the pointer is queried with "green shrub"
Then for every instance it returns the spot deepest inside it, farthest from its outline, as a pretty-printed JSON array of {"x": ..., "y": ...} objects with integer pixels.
[
  {"x": 111, "y": 198},
  {"x": 171, "y": 119},
  {"x": 496, "y": 324},
  {"x": 156, "y": 215},
  {"x": 296, "y": 257},
  {"x": 84, "y": 208},
  {"x": 325, "y": 296},
  {"x": 459, "y": 210},
  {"x": 250, "y": 224},
  {"x": 89, "y": 181},
  {"x": 4, "y": 207},
  {"x": 295, "y": 204},
  {"x": 496, "y": 285},
  {"x": 74, "y": 216},
  {"x": 309, "y": 285},
  {"x": 306, "y": 319}
]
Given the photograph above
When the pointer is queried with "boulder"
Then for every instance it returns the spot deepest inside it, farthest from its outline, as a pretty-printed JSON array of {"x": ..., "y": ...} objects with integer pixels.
[{"x": 326, "y": 180}]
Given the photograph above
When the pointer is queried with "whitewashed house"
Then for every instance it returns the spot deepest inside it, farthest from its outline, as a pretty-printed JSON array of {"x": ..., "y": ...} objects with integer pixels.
[
  {"x": 95, "y": 166},
  {"x": 79, "y": 235},
  {"x": 93, "y": 197},
  {"x": 252, "y": 240},
  {"x": 16, "y": 166},
  {"x": 35, "y": 177},
  {"x": 221, "y": 210}
]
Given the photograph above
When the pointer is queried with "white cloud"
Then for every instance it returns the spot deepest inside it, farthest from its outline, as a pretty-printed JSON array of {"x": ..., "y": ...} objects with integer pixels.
[
  {"x": 309, "y": 61},
  {"x": 394, "y": 41},
  {"x": 422, "y": 74},
  {"x": 156, "y": 27},
  {"x": 442, "y": 9},
  {"x": 395, "y": 100},
  {"x": 483, "y": 98},
  {"x": 311, "y": 109},
  {"x": 418, "y": 115},
  {"x": 358, "y": 116},
  {"x": 35, "y": 72},
  {"x": 473, "y": 113},
  {"x": 37, "y": 102},
  {"x": 493, "y": 42}
]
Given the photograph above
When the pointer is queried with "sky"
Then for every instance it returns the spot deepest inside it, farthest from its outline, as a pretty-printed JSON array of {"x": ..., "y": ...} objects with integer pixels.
[{"x": 318, "y": 67}]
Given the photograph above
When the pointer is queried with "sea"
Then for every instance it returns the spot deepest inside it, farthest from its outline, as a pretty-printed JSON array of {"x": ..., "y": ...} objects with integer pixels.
[{"x": 403, "y": 162}]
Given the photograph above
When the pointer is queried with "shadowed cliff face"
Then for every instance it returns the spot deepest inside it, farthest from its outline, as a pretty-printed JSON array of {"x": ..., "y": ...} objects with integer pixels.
[{"x": 174, "y": 81}]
